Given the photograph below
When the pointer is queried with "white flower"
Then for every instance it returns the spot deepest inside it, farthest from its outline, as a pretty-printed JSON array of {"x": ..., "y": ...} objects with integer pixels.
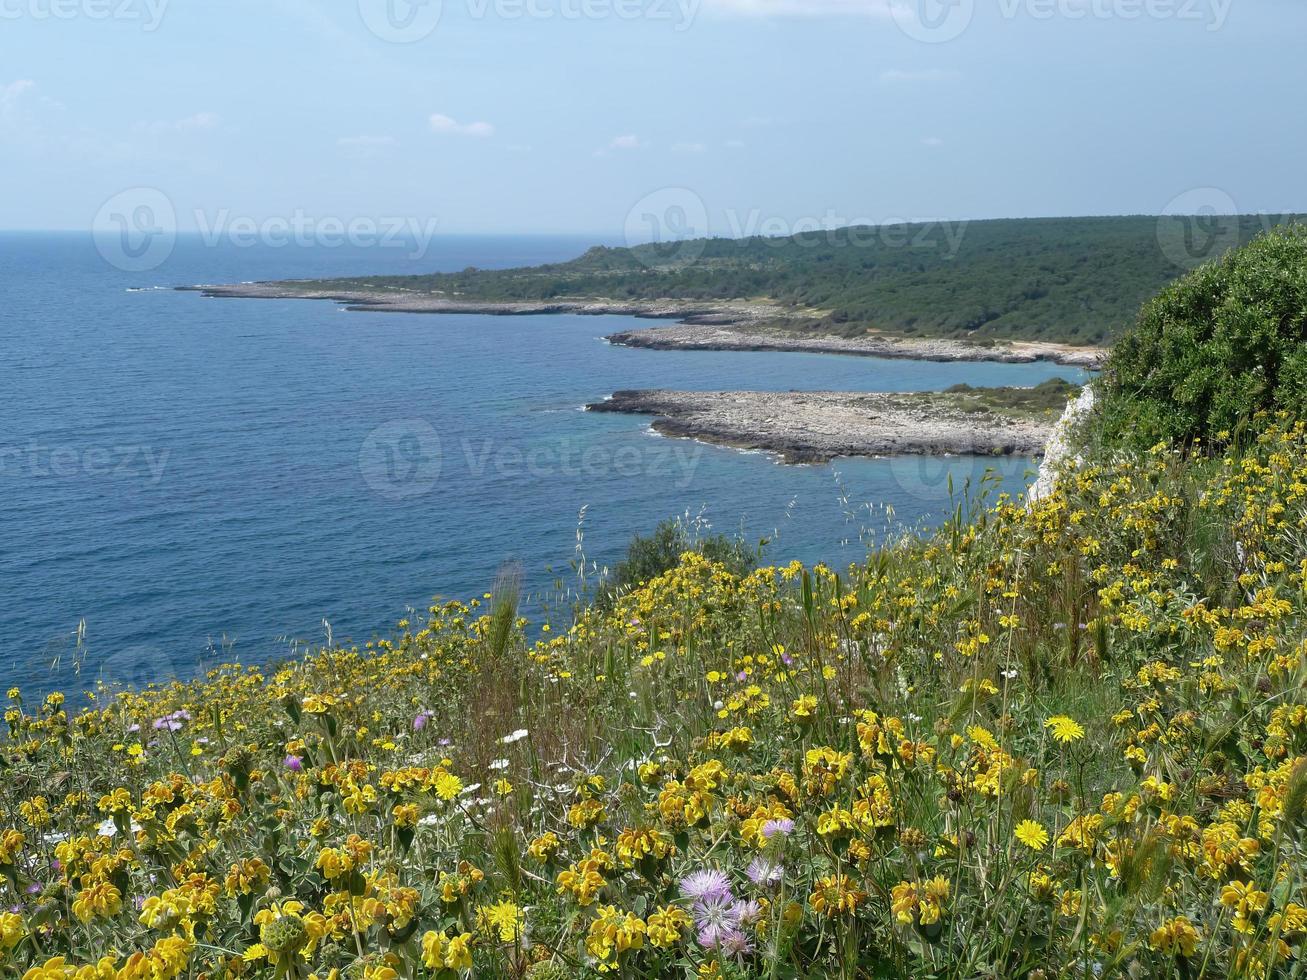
[
  {"x": 517, "y": 736},
  {"x": 499, "y": 764}
]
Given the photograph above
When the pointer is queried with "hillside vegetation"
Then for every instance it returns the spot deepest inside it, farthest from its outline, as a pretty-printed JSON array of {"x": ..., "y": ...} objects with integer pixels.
[
  {"x": 1058, "y": 739},
  {"x": 1215, "y": 348},
  {"x": 1079, "y": 280}
]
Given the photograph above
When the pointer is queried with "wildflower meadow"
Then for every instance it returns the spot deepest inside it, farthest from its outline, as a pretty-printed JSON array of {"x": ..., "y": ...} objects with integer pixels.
[{"x": 1055, "y": 739}]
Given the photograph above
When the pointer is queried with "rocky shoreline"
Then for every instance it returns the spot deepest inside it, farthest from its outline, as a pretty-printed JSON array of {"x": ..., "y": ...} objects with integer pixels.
[
  {"x": 400, "y": 301},
  {"x": 724, "y": 325},
  {"x": 818, "y": 426},
  {"x": 732, "y": 337}
]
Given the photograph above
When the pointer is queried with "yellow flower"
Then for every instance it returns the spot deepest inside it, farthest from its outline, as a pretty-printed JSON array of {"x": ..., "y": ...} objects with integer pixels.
[
  {"x": 667, "y": 925},
  {"x": 613, "y": 933},
  {"x": 835, "y": 895},
  {"x": 11, "y": 930},
  {"x": 1065, "y": 729},
  {"x": 101, "y": 900},
  {"x": 1032, "y": 834},
  {"x": 51, "y": 969},
  {"x": 1176, "y": 937},
  {"x": 449, "y": 952},
  {"x": 502, "y": 918}
]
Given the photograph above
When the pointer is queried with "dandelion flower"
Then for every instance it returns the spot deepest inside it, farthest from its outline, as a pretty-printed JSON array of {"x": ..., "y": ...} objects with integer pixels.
[
  {"x": 1032, "y": 834},
  {"x": 1065, "y": 729}
]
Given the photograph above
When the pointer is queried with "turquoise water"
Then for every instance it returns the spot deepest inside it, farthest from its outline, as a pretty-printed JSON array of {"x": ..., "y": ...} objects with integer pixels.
[{"x": 197, "y": 479}]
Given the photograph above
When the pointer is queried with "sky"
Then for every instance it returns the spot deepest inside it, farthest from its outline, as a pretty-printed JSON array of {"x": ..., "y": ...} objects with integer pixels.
[{"x": 638, "y": 118}]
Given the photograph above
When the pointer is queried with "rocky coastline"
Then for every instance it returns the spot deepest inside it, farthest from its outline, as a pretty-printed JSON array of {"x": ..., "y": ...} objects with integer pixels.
[
  {"x": 704, "y": 336},
  {"x": 720, "y": 325},
  {"x": 818, "y": 426}
]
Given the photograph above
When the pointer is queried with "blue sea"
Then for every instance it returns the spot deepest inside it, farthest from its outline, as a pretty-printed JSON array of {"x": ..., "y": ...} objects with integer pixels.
[{"x": 187, "y": 480}]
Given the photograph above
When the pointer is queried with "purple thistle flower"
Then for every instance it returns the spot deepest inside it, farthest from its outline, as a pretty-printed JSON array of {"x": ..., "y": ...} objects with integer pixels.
[
  {"x": 765, "y": 873},
  {"x": 783, "y": 827},
  {"x": 715, "y": 915},
  {"x": 294, "y": 763},
  {"x": 420, "y": 721},
  {"x": 707, "y": 885},
  {"x": 748, "y": 912},
  {"x": 735, "y": 943}
]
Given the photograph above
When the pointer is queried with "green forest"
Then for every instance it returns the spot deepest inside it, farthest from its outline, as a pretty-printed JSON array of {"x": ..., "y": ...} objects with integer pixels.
[{"x": 1075, "y": 280}]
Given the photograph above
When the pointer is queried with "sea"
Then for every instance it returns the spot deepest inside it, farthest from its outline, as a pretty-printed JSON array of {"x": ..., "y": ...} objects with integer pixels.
[{"x": 187, "y": 481}]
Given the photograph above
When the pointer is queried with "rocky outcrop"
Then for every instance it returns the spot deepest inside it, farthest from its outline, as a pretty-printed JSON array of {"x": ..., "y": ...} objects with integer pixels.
[{"x": 817, "y": 426}]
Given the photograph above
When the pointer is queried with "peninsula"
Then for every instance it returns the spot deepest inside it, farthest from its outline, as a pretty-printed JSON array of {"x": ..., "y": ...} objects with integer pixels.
[{"x": 818, "y": 426}]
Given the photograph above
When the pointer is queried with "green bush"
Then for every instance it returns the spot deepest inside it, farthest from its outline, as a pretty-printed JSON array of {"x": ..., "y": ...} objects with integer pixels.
[
  {"x": 1214, "y": 348},
  {"x": 648, "y": 556}
]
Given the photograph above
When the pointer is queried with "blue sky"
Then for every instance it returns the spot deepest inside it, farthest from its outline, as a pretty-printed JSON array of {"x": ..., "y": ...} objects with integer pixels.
[{"x": 564, "y": 115}]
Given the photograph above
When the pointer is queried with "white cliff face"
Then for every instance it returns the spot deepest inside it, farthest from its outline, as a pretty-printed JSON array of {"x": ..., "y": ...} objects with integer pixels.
[{"x": 1058, "y": 449}]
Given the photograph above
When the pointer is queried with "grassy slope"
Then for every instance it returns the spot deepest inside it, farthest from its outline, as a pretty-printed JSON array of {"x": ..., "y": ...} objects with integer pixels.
[
  {"x": 1078, "y": 280},
  {"x": 904, "y": 714}
]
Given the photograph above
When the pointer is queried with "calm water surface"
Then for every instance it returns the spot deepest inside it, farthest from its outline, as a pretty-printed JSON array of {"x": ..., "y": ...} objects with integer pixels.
[{"x": 188, "y": 475}]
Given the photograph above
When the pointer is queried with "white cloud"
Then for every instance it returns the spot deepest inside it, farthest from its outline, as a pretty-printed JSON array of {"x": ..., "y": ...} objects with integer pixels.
[
  {"x": 11, "y": 97},
  {"x": 12, "y": 92},
  {"x": 932, "y": 141},
  {"x": 735, "y": 144},
  {"x": 441, "y": 123},
  {"x": 199, "y": 122},
  {"x": 920, "y": 75},
  {"x": 624, "y": 143},
  {"x": 800, "y": 8},
  {"x": 688, "y": 147}
]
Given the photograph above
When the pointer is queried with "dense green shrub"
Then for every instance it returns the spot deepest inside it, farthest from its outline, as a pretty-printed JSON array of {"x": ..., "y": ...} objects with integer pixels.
[
  {"x": 1226, "y": 341},
  {"x": 648, "y": 556}
]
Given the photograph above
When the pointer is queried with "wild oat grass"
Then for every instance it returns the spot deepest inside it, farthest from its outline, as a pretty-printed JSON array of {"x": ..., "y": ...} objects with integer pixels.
[{"x": 1068, "y": 740}]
